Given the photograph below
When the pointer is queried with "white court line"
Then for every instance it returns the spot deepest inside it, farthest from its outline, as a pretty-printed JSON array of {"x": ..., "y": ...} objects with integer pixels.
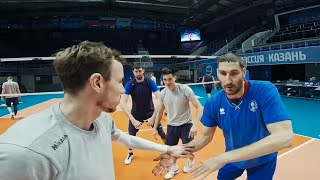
[
  {"x": 290, "y": 151},
  {"x": 298, "y": 147},
  {"x": 304, "y": 136}
]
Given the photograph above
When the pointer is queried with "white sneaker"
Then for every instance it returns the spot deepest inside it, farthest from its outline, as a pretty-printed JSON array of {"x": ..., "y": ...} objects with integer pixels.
[
  {"x": 188, "y": 166},
  {"x": 128, "y": 159},
  {"x": 173, "y": 171}
]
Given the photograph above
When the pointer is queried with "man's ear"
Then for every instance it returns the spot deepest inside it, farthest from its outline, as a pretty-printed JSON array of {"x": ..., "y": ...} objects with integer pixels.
[
  {"x": 244, "y": 70},
  {"x": 95, "y": 81},
  {"x": 175, "y": 76}
]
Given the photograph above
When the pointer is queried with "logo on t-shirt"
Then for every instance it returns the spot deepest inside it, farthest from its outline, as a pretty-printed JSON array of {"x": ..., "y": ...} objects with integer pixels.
[
  {"x": 253, "y": 106},
  {"x": 222, "y": 111},
  {"x": 56, "y": 144}
]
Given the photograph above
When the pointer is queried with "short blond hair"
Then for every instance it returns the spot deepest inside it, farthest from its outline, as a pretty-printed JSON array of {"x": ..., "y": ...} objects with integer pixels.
[{"x": 74, "y": 65}]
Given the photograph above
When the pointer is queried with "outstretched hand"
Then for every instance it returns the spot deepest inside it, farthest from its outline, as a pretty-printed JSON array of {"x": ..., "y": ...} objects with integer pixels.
[
  {"x": 181, "y": 151},
  {"x": 164, "y": 164},
  {"x": 207, "y": 167},
  {"x": 150, "y": 121}
]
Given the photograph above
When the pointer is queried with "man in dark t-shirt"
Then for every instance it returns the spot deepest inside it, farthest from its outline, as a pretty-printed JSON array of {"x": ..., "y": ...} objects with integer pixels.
[
  {"x": 208, "y": 78},
  {"x": 140, "y": 88}
]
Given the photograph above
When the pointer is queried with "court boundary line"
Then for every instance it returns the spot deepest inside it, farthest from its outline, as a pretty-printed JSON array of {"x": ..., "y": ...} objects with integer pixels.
[
  {"x": 306, "y": 136},
  {"x": 31, "y": 107},
  {"x": 288, "y": 152},
  {"x": 296, "y": 148}
]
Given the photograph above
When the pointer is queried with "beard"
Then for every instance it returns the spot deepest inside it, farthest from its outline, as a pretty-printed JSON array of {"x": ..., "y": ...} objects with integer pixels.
[
  {"x": 139, "y": 77},
  {"x": 232, "y": 89}
]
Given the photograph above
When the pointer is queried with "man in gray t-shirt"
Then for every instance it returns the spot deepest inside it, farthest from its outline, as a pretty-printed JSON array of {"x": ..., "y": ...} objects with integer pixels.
[
  {"x": 11, "y": 87},
  {"x": 73, "y": 139},
  {"x": 175, "y": 99}
]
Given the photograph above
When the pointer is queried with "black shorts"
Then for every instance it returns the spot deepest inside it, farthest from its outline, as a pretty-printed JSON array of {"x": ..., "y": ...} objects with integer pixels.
[
  {"x": 13, "y": 100},
  {"x": 133, "y": 131},
  {"x": 174, "y": 133},
  {"x": 208, "y": 90}
]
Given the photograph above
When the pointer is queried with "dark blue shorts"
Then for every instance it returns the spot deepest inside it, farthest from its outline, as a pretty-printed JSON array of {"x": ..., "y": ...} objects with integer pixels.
[
  {"x": 208, "y": 90},
  {"x": 261, "y": 172},
  {"x": 133, "y": 131},
  {"x": 174, "y": 133}
]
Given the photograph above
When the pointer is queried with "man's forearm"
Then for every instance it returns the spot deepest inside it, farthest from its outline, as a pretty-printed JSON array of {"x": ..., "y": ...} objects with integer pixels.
[
  {"x": 199, "y": 113},
  {"x": 139, "y": 143},
  {"x": 158, "y": 119},
  {"x": 200, "y": 142},
  {"x": 267, "y": 145},
  {"x": 126, "y": 111},
  {"x": 157, "y": 108},
  {"x": 154, "y": 115}
]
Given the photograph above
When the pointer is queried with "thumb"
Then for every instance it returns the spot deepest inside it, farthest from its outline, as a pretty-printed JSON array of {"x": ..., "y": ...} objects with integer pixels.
[
  {"x": 155, "y": 136},
  {"x": 157, "y": 158}
]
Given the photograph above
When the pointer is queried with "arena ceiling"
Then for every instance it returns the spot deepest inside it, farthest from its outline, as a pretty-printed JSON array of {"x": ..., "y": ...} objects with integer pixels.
[{"x": 193, "y": 13}]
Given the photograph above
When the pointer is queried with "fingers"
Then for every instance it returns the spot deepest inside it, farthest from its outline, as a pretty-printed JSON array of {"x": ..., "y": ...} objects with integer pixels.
[
  {"x": 188, "y": 145},
  {"x": 138, "y": 126},
  {"x": 162, "y": 156},
  {"x": 198, "y": 171},
  {"x": 155, "y": 133},
  {"x": 158, "y": 170},
  {"x": 150, "y": 124},
  {"x": 192, "y": 134},
  {"x": 189, "y": 148},
  {"x": 203, "y": 175},
  {"x": 147, "y": 121},
  {"x": 157, "y": 158},
  {"x": 184, "y": 156}
]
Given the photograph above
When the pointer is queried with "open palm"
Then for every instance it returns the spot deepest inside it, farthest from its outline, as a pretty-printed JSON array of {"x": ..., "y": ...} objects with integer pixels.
[{"x": 165, "y": 163}]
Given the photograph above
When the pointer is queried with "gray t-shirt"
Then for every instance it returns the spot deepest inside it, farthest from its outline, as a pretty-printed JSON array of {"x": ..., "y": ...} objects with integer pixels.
[
  {"x": 46, "y": 146},
  {"x": 177, "y": 104},
  {"x": 10, "y": 87}
]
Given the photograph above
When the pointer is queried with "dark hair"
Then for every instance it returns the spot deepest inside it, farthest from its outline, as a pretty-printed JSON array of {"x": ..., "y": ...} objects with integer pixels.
[
  {"x": 137, "y": 66},
  {"x": 167, "y": 71},
  {"x": 74, "y": 65},
  {"x": 230, "y": 57}
]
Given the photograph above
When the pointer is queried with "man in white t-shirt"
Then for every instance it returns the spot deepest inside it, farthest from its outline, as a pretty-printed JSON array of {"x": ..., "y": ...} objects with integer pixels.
[
  {"x": 73, "y": 139},
  {"x": 11, "y": 87}
]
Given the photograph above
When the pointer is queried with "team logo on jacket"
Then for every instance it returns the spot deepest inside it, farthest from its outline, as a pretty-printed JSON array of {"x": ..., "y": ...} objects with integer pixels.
[{"x": 253, "y": 106}]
